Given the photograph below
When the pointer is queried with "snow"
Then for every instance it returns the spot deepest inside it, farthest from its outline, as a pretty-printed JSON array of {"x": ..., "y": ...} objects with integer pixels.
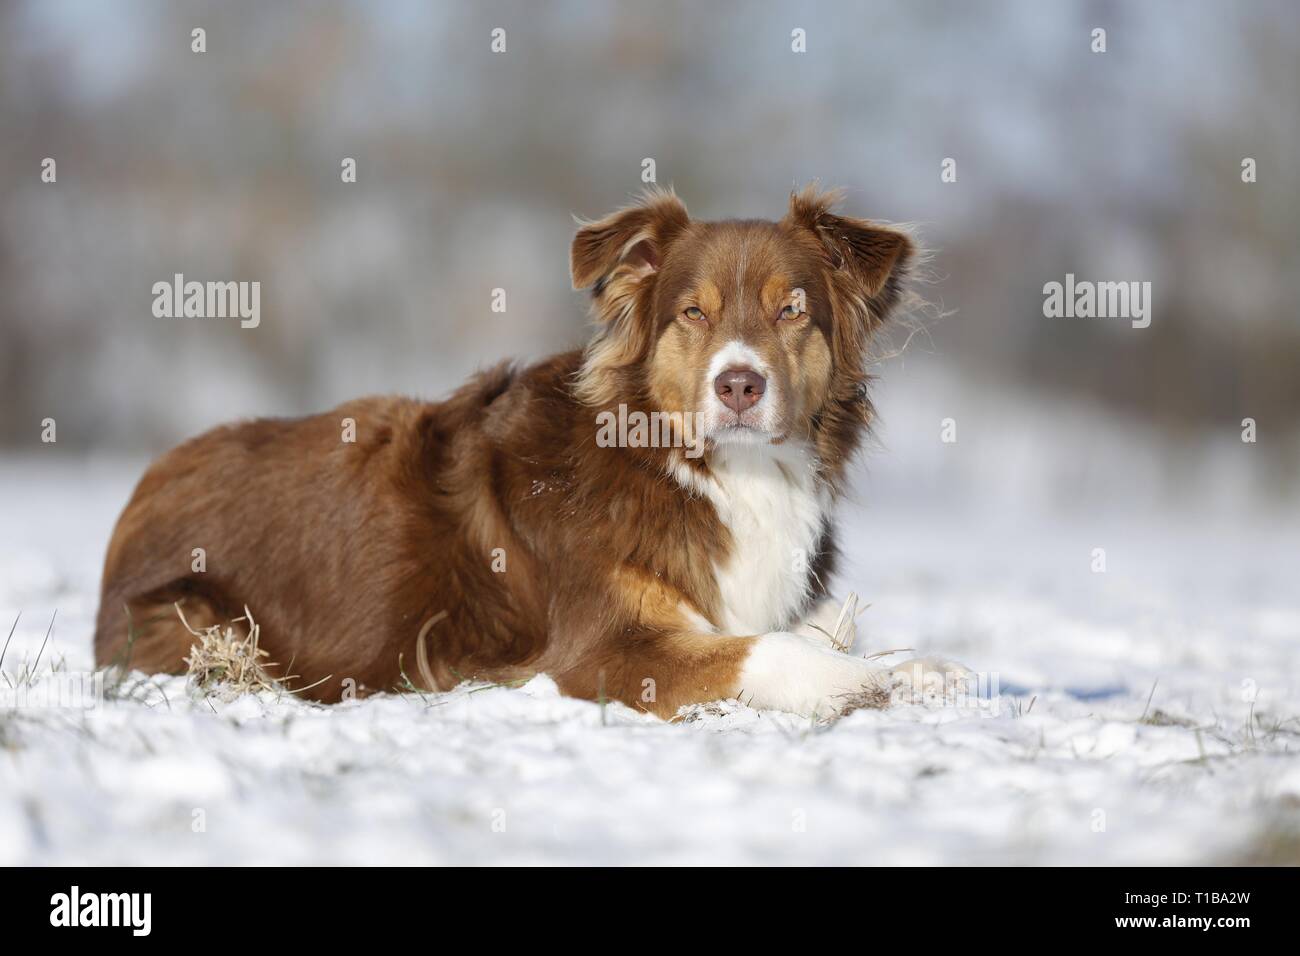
[{"x": 1061, "y": 767}]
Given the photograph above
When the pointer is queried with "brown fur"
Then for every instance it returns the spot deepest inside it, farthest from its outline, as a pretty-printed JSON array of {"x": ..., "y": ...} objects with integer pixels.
[{"x": 346, "y": 551}]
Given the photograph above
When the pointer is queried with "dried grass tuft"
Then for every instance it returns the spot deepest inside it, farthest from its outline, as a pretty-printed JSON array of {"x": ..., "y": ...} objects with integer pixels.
[
  {"x": 224, "y": 657},
  {"x": 845, "y": 631},
  {"x": 694, "y": 713},
  {"x": 870, "y": 698}
]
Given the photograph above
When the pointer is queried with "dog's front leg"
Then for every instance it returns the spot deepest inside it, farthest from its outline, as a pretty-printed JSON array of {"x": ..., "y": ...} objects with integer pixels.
[
  {"x": 788, "y": 672},
  {"x": 779, "y": 671}
]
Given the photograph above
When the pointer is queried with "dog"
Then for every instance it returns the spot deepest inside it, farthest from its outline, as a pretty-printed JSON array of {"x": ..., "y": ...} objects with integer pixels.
[{"x": 511, "y": 530}]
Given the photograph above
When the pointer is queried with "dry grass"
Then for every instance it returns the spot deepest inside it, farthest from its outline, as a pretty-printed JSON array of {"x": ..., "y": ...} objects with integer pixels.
[
  {"x": 1158, "y": 718},
  {"x": 225, "y": 657},
  {"x": 845, "y": 629},
  {"x": 871, "y": 698},
  {"x": 694, "y": 713}
]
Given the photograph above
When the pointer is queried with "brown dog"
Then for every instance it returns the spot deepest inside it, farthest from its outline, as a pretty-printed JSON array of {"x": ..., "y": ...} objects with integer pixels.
[{"x": 648, "y": 521}]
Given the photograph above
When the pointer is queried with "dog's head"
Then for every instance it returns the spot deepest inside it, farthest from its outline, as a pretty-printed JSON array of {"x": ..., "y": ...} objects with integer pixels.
[{"x": 758, "y": 328}]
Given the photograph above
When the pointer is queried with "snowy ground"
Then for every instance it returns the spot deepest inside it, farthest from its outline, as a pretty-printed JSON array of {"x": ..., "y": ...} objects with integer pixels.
[{"x": 1061, "y": 768}]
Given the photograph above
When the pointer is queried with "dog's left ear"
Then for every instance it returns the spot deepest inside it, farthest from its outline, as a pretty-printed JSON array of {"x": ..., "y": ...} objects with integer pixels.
[{"x": 871, "y": 257}]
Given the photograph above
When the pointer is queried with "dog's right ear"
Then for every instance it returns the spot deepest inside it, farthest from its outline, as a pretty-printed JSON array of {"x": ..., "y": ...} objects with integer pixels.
[
  {"x": 616, "y": 257},
  {"x": 631, "y": 242}
]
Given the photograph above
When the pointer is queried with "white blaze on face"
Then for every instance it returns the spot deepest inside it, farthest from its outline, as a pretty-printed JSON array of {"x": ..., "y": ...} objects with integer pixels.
[{"x": 762, "y": 419}]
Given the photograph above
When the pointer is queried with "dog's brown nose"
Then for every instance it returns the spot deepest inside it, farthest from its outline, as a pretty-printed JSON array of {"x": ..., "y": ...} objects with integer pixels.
[{"x": 739, "y": 388}]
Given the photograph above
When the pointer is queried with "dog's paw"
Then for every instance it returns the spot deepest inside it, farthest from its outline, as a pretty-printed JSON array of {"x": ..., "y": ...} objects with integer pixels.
[
  {"x": 930, "y": 680},
  {"x": 787, "y": 671}
]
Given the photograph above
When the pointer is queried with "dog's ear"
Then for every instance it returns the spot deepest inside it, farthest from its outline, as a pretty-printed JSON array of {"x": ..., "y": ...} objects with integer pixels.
[
  {"x": 866, "y": 265},
  {"x": 631, "y": 241},
  {"x": 868, "y": 260},
  {"x": 616, "y": 256}
]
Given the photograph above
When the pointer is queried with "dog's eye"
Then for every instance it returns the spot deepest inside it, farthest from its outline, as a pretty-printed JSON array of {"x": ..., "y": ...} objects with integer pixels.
[
  {"x": 791, "y": 312},
  {"x": 694, "y": 314}
]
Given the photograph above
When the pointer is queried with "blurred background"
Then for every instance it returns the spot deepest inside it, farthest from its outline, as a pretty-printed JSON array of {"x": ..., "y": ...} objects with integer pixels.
[
  {"x": 1166, "y": 688},
  {"x": 225, "y": 165}
]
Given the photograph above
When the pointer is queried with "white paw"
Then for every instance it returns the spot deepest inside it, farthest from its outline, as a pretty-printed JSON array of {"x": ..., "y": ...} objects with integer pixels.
[
  {"x": 930, "y": 680},
  {"x": 789, "y": 672}
]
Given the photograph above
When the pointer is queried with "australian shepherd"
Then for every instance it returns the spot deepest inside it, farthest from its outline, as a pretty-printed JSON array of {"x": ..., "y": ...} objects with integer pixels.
[{"x": 647, "y": 520}]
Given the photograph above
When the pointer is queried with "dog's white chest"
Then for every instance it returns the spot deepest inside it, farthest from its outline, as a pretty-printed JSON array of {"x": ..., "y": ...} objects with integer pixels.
[{"x": 775, "y": 510}]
